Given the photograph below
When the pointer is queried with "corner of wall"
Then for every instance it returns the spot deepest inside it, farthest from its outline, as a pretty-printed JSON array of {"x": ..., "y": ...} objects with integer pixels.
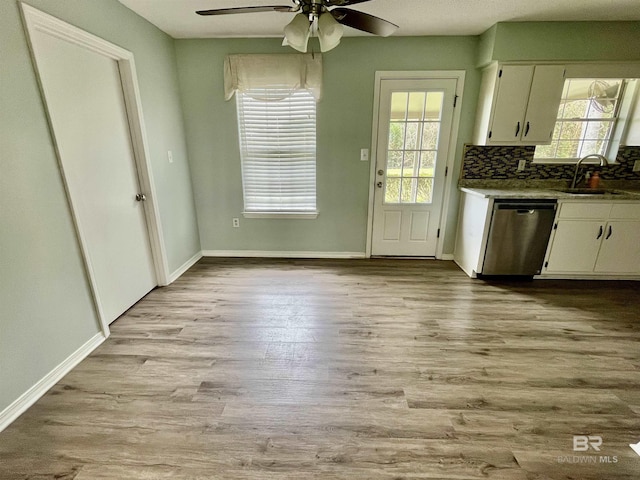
[{"x": 485, "y": 46}]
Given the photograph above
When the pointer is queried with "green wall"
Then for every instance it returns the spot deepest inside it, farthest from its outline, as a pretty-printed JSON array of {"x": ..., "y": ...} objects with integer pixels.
[
  {"x": 46, "y": 311},
  {"x": 344, "y": 127},
  {"x": 561, "y": 41}
]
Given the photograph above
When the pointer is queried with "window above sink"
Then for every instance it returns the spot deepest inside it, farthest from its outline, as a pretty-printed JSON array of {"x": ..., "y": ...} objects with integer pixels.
[
  {"x": 598, "y": 109},
  {"x": 587, "y": 119}
]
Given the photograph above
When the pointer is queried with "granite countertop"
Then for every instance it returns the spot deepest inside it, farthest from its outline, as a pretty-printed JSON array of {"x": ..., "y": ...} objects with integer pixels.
[
  {"x": 526, "y": 193},
  {"x": 530, "y": 189}
]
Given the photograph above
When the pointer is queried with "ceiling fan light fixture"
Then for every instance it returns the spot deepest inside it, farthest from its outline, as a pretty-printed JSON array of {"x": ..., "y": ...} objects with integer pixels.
[
  {"x": 296, "y": 33},
  {"x": 329, "y": 32}
]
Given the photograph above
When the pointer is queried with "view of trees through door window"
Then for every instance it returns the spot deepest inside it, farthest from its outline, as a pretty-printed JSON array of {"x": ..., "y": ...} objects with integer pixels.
[
  {"x": 586, "y": 118},
  {"x": 414, "y": 129}
]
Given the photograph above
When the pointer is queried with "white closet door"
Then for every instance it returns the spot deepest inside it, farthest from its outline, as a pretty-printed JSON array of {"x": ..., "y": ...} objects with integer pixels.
[{"x": 85, "y": 101}]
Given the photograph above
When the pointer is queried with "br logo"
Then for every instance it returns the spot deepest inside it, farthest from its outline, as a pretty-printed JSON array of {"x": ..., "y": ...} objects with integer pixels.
[{"x": 582, "y": 443}]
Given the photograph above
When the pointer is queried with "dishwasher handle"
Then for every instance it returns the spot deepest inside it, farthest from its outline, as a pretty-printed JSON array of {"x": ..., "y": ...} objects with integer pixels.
[{"x": 524, "y": 208}]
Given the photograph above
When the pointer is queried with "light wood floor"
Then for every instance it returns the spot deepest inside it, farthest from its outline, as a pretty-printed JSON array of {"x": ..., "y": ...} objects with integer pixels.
[{"x": 355, "y": 369}]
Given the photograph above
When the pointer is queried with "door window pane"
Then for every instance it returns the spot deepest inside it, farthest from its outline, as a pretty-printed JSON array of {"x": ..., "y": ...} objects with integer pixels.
[
  {"x": 392, "y": 190},
  {"x": 425, "y": 190},
  {"x": 407, "y": 191},
  {"x": 394, "y": 163},
  {"x": 409, "y": 165},
  {"x": 414, "y": 129},
  {"x": 399, "y": 105},
  {"x": 415, "y": 110},
  {"x": 434, "y": 106},
  {"x": 427, "y": 164},
  {"x": 412, "y": 137},
  {"x": 396, "y": 136}
]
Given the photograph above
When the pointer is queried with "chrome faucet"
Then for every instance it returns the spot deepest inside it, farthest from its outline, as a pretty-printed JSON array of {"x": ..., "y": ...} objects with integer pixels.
[{"x": 603, "y": 162}]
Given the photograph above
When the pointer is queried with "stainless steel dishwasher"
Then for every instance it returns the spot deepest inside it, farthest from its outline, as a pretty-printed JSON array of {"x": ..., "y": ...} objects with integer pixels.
[{"x": 518, "y": 236}]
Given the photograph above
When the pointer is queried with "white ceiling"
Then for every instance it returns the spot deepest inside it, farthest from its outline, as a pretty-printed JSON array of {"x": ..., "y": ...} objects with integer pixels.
[{"x": 415, "y": 17}]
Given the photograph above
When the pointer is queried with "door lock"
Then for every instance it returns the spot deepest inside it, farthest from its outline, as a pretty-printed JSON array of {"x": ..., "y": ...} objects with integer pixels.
[
  {"x": 380, "y": 172},
  {"x": 379, "y": 184}
]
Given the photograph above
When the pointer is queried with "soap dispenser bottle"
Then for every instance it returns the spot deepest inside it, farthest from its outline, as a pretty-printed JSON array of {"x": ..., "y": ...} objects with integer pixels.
[{"x": 594, "y": 181}]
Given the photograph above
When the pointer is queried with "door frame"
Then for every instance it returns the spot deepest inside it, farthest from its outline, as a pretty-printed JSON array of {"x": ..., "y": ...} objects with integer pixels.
[
  {"x": 38, "y": 21},
  {"x": 457, "y": 75}
]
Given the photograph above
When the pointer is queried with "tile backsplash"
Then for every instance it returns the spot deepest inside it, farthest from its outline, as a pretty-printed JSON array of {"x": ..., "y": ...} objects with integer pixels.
[{"x": 501, "y": 163}]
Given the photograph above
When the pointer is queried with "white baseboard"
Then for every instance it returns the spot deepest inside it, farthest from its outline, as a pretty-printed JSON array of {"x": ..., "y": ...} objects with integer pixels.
[
  {"x": 277, "y": 254},
  {"x": 446, "y": 256},
  {"x": 31, "y": 396},
  {"x": 470, "y": 273},
  {"x": 185, "y": 266},
  {"x": 561, "y": 276}
]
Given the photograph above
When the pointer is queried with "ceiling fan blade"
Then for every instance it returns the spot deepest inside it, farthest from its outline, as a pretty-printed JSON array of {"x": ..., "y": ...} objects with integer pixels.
[
  {"x": 342, "y": 3},
  {"x": 364, "y": 21},
  {"x": 226, "y": 11}
]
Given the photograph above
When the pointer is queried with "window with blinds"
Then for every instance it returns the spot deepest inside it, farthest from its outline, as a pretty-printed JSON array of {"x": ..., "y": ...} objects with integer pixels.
[{"x": 277, "y": 131}]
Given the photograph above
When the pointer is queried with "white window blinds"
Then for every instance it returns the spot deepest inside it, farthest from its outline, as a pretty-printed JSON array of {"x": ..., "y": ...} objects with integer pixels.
[{"x": 278, "y": 148}]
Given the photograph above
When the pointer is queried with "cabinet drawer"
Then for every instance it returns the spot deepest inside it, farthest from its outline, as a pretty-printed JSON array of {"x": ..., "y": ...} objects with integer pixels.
[
  {"x": 594, "y": 210},
  {"x": 626, "y": 211}
]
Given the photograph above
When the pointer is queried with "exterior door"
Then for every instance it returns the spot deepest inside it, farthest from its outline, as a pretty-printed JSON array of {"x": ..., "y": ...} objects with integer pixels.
[
  {"x": 86, "y": 105},
  {"x": 414, "y": 127}
]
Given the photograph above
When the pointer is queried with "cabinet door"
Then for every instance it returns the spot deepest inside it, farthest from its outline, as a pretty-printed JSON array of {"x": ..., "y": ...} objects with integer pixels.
[
  {"x": 620, "y": 251},
  {"x": 574, "y": 246},
  {"x": 542, "y": 107},
  {"x": 510, "y": 103}
]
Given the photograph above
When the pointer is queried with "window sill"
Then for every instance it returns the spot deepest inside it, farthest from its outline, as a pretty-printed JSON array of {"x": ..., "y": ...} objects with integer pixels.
[{"x": 291, "y": 215}]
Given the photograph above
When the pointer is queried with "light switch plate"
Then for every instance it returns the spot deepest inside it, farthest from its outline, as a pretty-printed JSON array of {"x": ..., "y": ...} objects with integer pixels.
[
  {"x": 364, "y": 154},
  {"x": 636, "y": 166},
  {"x": 170, "y": 156}
]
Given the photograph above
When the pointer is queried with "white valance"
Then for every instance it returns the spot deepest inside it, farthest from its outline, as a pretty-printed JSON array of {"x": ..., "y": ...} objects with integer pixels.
[{"x": 290, "y": 72}]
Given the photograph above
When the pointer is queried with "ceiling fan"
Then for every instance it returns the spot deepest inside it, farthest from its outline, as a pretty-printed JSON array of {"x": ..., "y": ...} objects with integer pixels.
[{"x": 315, "y": 16}]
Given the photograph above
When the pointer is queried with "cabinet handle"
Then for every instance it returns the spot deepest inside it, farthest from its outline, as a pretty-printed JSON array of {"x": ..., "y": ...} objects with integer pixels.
[
  {"x": 526, "y": 130},
  {"x": 518, "y": 129},
  {"x": 600, "y": 232},
  {"x": 609, "y": 233}
]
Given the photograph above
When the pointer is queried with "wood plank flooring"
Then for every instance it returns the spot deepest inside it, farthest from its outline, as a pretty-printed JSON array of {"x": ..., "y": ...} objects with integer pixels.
[{"x": 354, "y": 369}]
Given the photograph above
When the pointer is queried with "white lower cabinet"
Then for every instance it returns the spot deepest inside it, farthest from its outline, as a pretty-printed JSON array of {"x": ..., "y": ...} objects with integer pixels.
[
  {"x": 620, "y": 250},
  {"x": 595, "y": 238},
  {"x": 575, "y": 245}
]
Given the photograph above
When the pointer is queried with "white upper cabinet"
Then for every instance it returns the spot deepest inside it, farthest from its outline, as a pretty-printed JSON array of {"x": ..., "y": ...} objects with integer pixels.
[{"x": 518, "y": 104}]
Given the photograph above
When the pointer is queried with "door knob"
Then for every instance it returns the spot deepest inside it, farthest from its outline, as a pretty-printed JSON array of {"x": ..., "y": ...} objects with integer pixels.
[
  {"x": 379, "y": 184},
  {"x": 380, "y": 172},
  {"x": 141, "y": 197}
]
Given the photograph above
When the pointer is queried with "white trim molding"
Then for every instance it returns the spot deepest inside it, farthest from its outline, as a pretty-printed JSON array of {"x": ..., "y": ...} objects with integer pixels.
[
  {"x": 31, "y": 396},
  {"x": 277, "y": 254},
  {"x": 185, "y": 266},
  {"x": 290, "y": 215}
]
